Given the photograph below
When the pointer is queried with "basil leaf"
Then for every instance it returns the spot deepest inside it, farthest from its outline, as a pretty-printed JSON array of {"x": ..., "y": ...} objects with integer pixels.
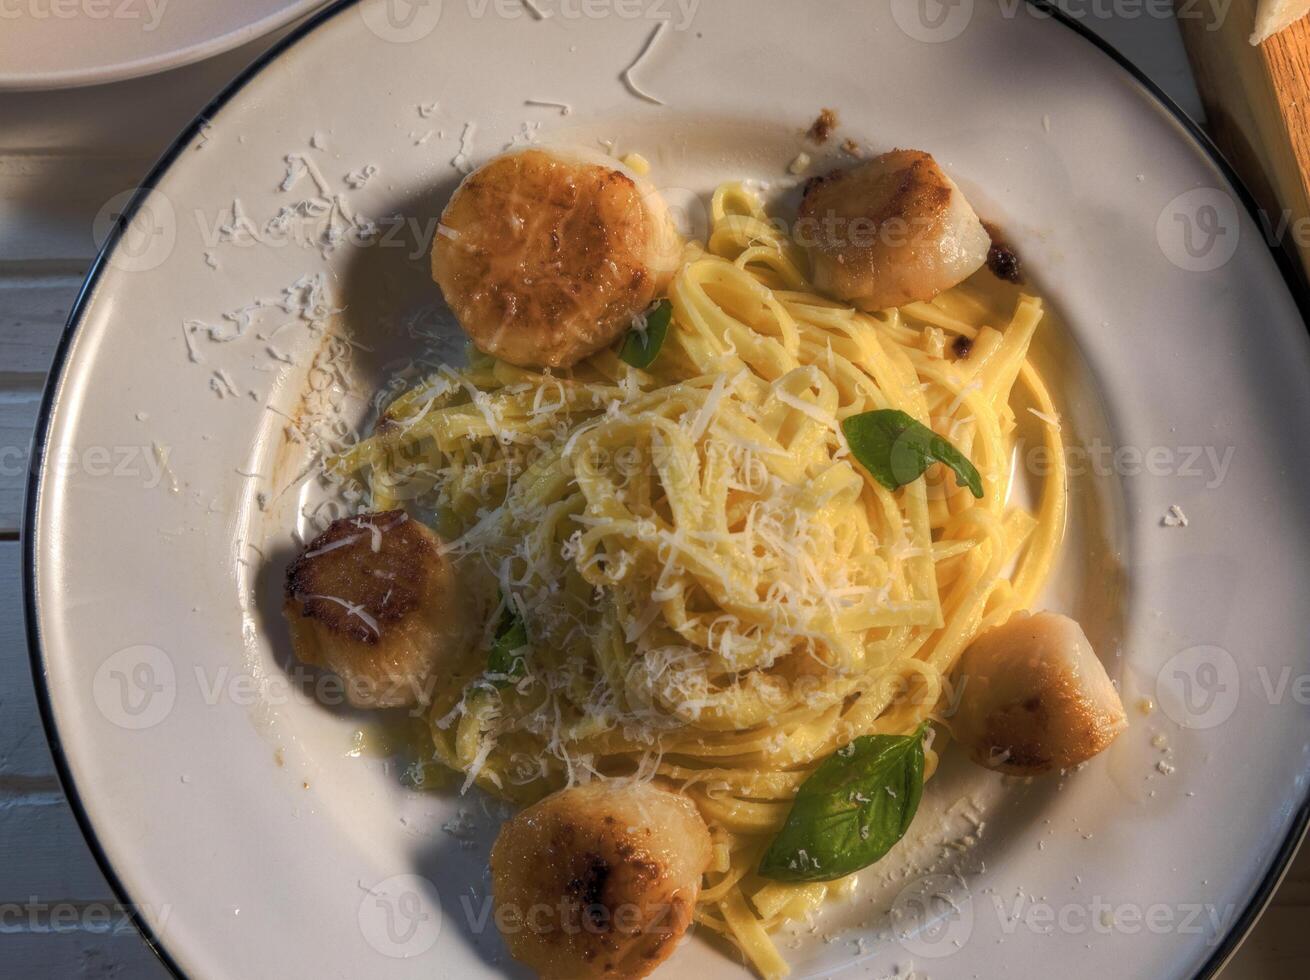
[
  {"x": 851, "y": 810},
  {"x": 507, "y": 661},
  {"x": 641, "y": 347},
  {"x": 897, "y": 449}
]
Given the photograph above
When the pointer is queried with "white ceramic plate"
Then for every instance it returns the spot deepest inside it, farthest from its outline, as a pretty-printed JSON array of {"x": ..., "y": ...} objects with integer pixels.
[
  {"x": 227, "y": 806},
  {"x": 58, "y": 43}
]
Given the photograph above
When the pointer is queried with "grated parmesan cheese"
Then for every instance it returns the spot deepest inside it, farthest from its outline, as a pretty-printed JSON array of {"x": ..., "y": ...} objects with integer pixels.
[
  {"x": 563, "y": 107},
  {"x": 461, "y": 161},
  {"x": 1051, "y": 420},
  {"x": 1174, "y": 517},
  {"x": 628, "y": 81}
]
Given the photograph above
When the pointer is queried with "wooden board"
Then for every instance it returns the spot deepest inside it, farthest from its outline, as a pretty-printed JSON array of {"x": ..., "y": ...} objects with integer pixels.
[
  {"x": 62, "y": 156},
  {"x": 57, "y": 915},
  {"x": 1257, "y": 107},
  {"x": 34, "y": 303}
]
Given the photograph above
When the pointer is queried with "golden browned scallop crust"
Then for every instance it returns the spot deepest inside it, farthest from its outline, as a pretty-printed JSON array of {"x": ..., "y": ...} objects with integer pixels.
[
  {"x": 599, "y": 880},
  {"x": 373, "y": 599},
  {"x": 889, "y": 231},
  {"x": 1021, "y": 730},
  {"x": 1034, "y": 697},
  {"x": 545, "y": 260}
]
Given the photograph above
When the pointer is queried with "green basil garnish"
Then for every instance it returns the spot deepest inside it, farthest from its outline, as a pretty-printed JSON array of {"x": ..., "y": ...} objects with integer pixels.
[
  {"x": 851, "y": 809},
  {"x": 897, "y": 449},
  {"x": 641, "y": 347},
  {"x": 507, "y": 661}
]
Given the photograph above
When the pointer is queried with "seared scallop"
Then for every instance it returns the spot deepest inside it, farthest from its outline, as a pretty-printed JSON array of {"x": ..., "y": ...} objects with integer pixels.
[
  {"x": 599, "y": 880},
  {"x": 546, "y": 256},
  {"x": 1035, "y": 697},
  {"x": 374, "y": 600},
  {"x": 889, "y": 231}
]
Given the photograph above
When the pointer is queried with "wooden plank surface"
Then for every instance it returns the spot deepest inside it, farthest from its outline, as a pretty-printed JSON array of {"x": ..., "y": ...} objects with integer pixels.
[
  {"x": 63, "y": 155},
  {"x": 18, "y": 406},
  {"x": 1257, "y": 106},
  {"x": 93, "y": 954},
  {"x": 34, "y": 303},
  {"x": 58, "y": 917}
]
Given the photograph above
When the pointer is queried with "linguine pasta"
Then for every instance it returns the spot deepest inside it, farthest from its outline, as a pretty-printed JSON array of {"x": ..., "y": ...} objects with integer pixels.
[{"x": 715, "y": 593}]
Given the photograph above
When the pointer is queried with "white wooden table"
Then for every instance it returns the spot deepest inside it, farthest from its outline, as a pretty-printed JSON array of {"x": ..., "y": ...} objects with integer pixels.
[{"x": 62, "y": 156}]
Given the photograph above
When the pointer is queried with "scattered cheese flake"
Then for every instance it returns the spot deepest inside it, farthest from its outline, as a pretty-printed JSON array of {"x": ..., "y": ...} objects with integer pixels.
[
  {"x": 298, "y": 166},
  {"x": 1174, "y": 517},
  {"x": 563, "y": 107},
  {"x": 357, "y": 179},
  {"x": 526, "y": 136},
  {"x": 352, "y": 609},
  {"x": 1051, "y": 420},
  {"x": 221, "y": 384},
  {"x": 626, "y": 76},
  {"x": 460, "y": 161}
]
